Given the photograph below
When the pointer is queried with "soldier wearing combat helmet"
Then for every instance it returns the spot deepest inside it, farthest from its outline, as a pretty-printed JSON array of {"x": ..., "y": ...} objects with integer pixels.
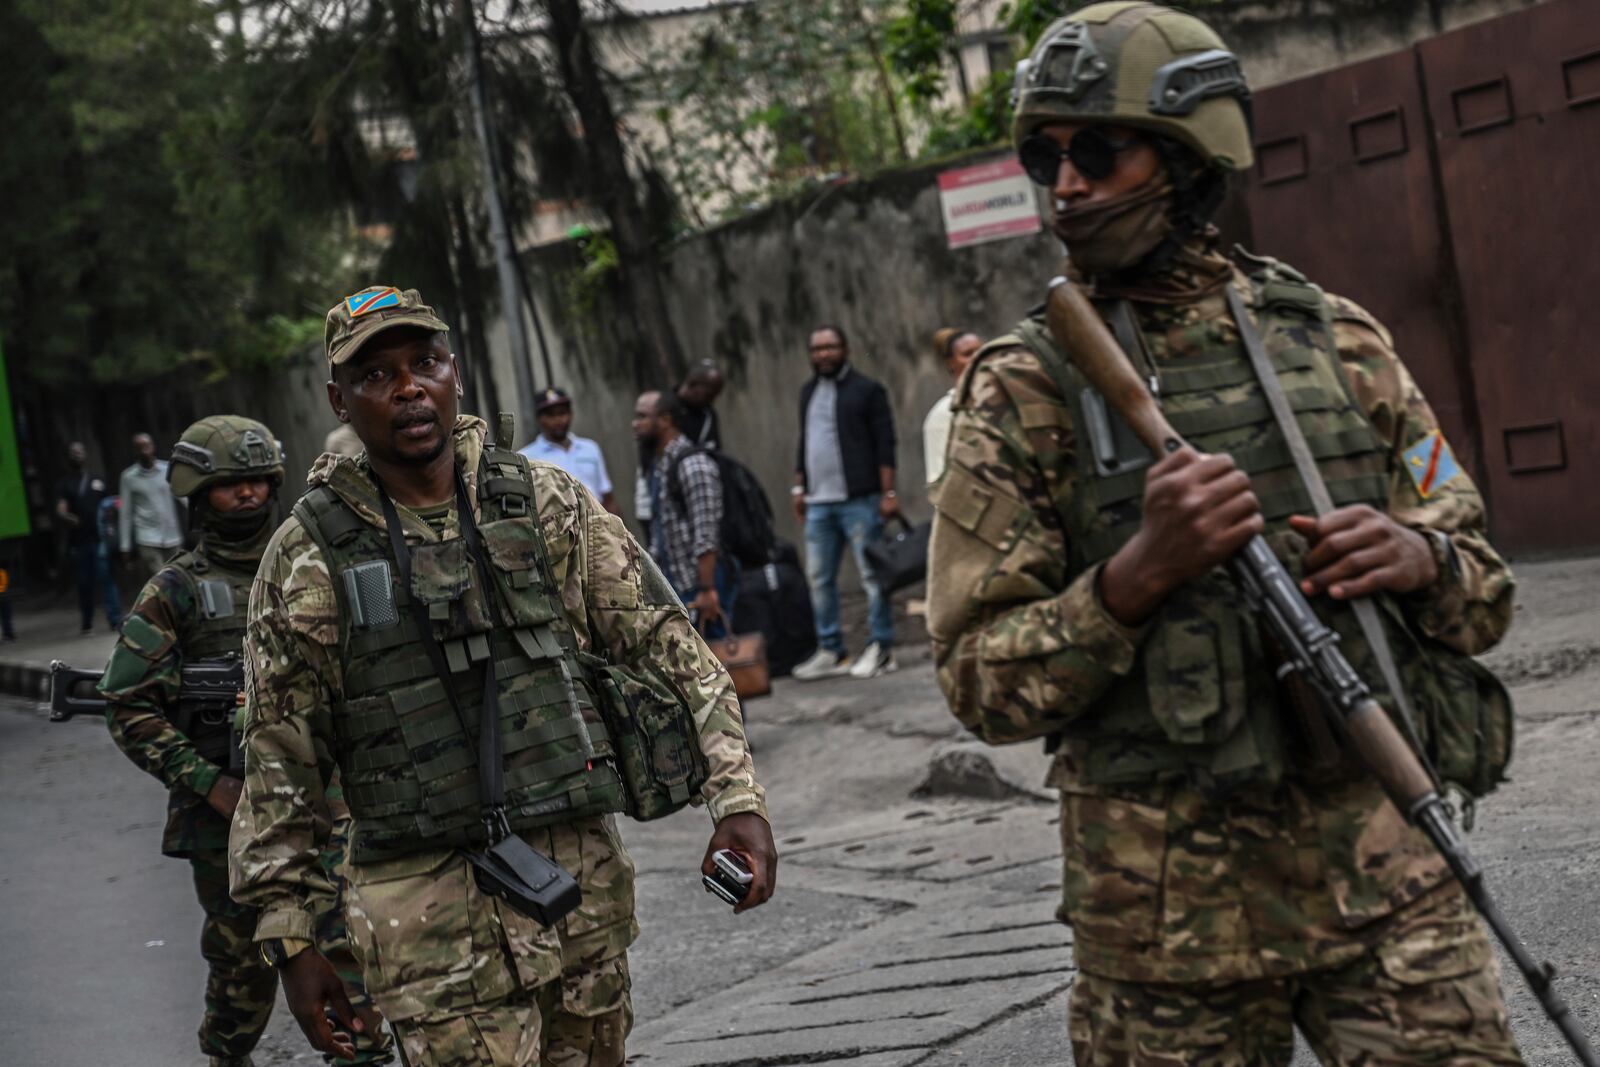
[
  {"x": 431, "y": 585},
  {"x": 192, "y": 615},
  {"x": 1229, "y": 873}
]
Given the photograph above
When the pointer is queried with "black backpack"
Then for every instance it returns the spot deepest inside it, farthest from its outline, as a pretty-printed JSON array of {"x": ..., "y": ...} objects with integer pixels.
[{"x": 746, "y": 532}]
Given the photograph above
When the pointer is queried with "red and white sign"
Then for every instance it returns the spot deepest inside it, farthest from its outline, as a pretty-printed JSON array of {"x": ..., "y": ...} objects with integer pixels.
[{"x": 987, "y": 202}]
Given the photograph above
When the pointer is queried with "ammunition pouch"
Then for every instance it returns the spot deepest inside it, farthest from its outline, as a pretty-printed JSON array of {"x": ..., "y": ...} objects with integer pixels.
[{"x": 656, "y": 741}]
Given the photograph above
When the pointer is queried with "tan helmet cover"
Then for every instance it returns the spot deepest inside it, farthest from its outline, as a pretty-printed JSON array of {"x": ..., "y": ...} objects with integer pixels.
[
  {"x": 223, "y": 448},
  {"x": 1137, "y": 64}
]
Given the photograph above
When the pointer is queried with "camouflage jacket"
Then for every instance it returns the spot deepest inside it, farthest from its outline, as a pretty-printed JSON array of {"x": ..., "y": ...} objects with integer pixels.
[
  {"x": 141, "y": 690},
  {"x": 293, "y": 671},
  {"x": 1023, "y": 647}
]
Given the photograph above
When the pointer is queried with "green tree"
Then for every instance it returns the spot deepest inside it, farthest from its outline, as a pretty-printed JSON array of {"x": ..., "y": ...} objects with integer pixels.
[
  {"x": 115, "y": 266},
  {"x": 771, "y": 96}
]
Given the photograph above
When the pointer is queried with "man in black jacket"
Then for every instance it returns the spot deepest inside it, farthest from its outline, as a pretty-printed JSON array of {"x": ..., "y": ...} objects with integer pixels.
[{"x": 844, "y": 492}]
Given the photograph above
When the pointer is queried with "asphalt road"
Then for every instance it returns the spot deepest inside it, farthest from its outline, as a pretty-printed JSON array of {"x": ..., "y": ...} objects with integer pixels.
[{"x": 907, "y": 930}]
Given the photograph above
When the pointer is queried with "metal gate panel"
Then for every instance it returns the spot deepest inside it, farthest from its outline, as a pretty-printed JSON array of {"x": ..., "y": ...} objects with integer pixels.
[
  {"x": 1516, "y": 108},
  {"x": 1344, "y": 190}
]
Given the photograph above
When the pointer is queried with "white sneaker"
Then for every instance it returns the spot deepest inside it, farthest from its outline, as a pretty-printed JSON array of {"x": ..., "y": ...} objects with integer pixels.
[
  {"x": 822, "y": 664},
  {"x": 874, "y": 661}
]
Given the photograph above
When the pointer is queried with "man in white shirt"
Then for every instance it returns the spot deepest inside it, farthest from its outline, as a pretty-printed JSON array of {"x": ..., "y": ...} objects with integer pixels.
[
  {"x": 578, "y": 456},
  {"x": 149, "y": 517}
]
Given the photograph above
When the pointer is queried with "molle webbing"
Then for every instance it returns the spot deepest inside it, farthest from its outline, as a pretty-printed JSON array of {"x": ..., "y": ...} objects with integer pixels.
[
  {"x": 1202, "y": 705},
  {"x": 213, "y": 637},
  {"x": 407, "y": 760}
]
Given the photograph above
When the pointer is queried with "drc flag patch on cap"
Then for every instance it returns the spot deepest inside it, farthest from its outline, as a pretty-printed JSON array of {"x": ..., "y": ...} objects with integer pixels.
[
  {"x": 362, "y": 303},
  {"x": 1430, "y": 464}
]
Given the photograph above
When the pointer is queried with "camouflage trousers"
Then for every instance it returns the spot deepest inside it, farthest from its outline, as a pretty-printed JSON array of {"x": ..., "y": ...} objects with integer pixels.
[
  {"x": 466, "y": 981},
  {"x": 556, "y": 1026},
  {"x": 333, "y": 941},
  {"x": 240, "y": 986},
  {"x": 1427, "y": 994}
]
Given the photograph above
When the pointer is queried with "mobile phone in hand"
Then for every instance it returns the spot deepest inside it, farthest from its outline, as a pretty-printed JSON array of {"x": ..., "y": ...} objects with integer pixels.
[{"x": 730, "y": 879}]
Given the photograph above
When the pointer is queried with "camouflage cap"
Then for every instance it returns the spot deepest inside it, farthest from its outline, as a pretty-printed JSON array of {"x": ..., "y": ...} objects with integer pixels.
[
  {"x": 356, "y": 319},
  {"x": 1141, "y": 65}
]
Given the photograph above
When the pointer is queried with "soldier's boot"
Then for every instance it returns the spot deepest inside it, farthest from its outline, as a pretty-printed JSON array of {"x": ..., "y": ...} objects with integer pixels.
[{"x": 231, "y": 1061}]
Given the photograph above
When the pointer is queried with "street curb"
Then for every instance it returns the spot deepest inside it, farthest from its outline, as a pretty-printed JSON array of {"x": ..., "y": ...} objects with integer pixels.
[{"x": 27, "y": 680}]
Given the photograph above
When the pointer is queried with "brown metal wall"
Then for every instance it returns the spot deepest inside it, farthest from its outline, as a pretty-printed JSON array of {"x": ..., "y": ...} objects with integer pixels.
[
  {"x": 1452, "y": 190},
  {"x": 1516, "y": 106}
]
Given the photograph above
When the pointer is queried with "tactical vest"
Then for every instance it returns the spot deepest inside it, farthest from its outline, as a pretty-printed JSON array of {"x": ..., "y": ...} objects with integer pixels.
[
  {"x": 408, "y": 761},
  {"x": 1203, "y": 704},
  {"x": 221, "y": 595}
]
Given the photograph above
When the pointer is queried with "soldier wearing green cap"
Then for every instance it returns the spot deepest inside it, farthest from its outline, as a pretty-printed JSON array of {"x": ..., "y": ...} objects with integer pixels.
[
  {"x": 1228, "y": 872},
  {"x": 400, "y": 575}
]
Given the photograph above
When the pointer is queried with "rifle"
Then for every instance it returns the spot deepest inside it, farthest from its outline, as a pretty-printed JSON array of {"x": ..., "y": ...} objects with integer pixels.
[
  {"x": 72, "y": 692},
  {"x": 1311, "y": 648},
  {"x": 208, "y": 694}
]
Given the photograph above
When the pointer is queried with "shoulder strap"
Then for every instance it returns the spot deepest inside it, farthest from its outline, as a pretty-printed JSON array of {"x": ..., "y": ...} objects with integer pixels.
[
  {"x": 311, "y": 509},
  {"x": 1365, "y": 610},
  {"x": 1036, "y": 336},
  {"x": 674, "y": 483}
]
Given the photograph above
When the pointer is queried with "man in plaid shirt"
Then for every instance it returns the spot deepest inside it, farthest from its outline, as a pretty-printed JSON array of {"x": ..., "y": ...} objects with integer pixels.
[{"x": 685, "y": 488}]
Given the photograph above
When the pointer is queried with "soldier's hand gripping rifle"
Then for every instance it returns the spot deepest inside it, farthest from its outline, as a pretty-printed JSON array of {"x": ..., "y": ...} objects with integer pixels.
[{"x": 1311, "y": 647}]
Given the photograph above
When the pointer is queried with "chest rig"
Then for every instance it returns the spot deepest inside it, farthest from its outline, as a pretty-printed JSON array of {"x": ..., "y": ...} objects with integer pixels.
[
  {"x": 407, "y": 759},
  {"x": 221, "y": 594},
  {"x": 212, "y": 652},
  {"x": 1203, "y": 703}
]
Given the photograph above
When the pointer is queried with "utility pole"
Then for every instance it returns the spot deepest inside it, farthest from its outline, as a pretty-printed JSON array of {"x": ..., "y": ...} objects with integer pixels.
[{"x": 504, "y": 250}]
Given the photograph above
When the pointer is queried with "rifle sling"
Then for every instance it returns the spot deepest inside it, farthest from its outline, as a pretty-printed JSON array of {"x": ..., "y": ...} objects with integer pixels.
[{"x": 1365, "y": 610}]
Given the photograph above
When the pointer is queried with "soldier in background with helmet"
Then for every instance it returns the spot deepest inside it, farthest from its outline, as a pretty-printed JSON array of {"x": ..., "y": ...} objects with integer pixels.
[
  {"x": 193, "y": 610},
  {"x": 1228, "y": 873},
  {"x": 433, "y": 552}
]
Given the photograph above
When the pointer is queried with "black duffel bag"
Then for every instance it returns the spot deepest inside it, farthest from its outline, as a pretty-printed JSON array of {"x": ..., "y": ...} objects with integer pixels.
[
  {"x": 775, "y": 600},
  {"x": 900, "y": 558}
]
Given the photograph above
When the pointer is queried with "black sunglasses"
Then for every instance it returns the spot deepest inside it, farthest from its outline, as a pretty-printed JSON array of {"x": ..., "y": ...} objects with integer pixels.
[{"x": 1093, "y": 155}]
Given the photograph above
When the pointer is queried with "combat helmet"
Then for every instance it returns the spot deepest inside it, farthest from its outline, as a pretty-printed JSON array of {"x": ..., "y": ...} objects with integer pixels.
[
  {"x": 224, "y": 448},
  {"x": 1140, "y": 65}
]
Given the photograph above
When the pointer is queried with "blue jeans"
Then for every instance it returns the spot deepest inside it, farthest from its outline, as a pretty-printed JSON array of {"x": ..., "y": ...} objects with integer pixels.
[
  {"x": 91, "y": 569},
  {"x": 828, "y": 528},
  {"x": 727, "y": 592}
]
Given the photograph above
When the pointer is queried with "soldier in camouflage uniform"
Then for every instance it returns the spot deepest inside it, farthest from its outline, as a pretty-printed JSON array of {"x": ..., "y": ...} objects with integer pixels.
[
  {"x": 230, "y": 469},
  {"x": 338, "y": 678},
  {"x": 193, "y": 609},
  {"x": 1227, "y": 872}
]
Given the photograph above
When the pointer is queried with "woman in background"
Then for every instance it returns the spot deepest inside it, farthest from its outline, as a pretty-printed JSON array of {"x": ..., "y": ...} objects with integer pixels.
[{"x": 955, "y": 347}]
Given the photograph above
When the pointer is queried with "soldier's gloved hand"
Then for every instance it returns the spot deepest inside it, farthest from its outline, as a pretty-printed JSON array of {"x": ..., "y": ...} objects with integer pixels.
[
  {"x": 1198, "y": 512},
  {"x": 749, "y": 835},
  {"x": 1358, "y": 550},
  {"x": 224, "y": 795},
  {"x": 313, "y": 991}
]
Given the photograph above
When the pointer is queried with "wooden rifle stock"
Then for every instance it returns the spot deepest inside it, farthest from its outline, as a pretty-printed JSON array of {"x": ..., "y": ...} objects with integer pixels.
[{"x": 1082, "y": 334}]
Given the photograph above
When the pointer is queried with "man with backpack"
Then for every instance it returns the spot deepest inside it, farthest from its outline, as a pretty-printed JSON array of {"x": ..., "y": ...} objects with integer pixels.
[{"x": 709, "y": 515}]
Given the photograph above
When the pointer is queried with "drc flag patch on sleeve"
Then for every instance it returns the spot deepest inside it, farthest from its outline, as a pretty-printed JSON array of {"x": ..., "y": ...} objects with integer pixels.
[
  {"x": 365, "y": 302},
  {"x": 1430, "y": 464}
]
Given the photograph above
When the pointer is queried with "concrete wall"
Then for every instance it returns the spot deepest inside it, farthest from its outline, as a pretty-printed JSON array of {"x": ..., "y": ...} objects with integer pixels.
[{"x": 871, "y": 256}]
